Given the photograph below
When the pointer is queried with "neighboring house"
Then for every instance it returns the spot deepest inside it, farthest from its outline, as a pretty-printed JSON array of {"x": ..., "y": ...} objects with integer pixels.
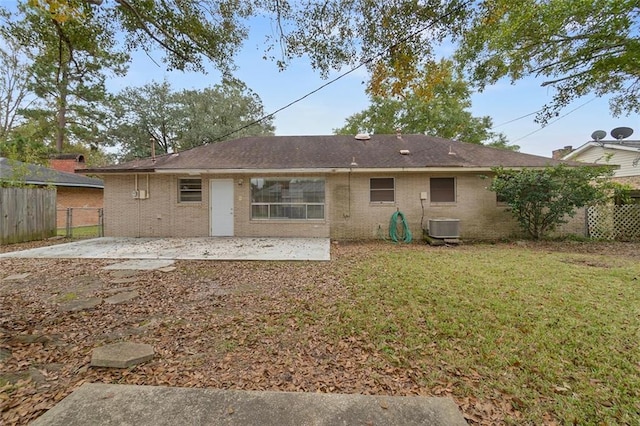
[
  {"x": 83, "y": 194},
  {"x": 311, "y": 186},
  {"x": 623, "y": 153}
]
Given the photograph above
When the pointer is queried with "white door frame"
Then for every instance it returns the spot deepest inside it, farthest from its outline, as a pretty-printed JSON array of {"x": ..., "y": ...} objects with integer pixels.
[{"x": 221, "y": 208}]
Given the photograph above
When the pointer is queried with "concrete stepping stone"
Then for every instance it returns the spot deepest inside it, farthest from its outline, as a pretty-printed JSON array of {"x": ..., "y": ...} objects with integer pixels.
[
  {"x": 123, "y": 274},
  {"x": 130, "y": 280},
  {"x": 141, "y": 264},
  {"x": 121, "y": 355},
  {"x": 17, "y": 277},
  {"x": 4, "y": 354},
  {"x": 81, "y": 304},
  {"x": 121, "y": 289},
  {"x": 30, "y": 339},
  {"x": 119, "y": 298}
]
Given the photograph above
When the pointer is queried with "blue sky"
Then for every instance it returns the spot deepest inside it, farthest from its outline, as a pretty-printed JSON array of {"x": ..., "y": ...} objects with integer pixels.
[{"x": 327, "y": 109}]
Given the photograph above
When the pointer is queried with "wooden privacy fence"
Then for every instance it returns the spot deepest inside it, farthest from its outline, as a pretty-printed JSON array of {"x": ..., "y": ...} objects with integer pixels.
[
  {"x": 614, "y": 222},
  {"x": 27, "y": 214}
]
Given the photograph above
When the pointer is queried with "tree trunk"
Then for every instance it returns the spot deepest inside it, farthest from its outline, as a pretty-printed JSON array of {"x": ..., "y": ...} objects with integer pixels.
[{"x": 61, "y": 118}]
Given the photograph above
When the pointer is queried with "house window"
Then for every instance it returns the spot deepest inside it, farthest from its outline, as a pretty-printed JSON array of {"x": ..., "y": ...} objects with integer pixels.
[
  {"x": 189, "y": 190},
  {"x": 382, "y": 190},
  {"x": 443, "y": 190},
  {"x": 288, "y": 198}
]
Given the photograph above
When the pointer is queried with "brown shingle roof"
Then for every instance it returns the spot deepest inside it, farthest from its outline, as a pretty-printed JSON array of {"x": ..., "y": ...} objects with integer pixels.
[
  {"x": 33, "y": 174},
  {"x": 326, "y": 152}
]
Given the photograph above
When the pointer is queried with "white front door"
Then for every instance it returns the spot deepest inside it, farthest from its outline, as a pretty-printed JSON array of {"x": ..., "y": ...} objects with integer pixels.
[{"x": 221, "y": 207}]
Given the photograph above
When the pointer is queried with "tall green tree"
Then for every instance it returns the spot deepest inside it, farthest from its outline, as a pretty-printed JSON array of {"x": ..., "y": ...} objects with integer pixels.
[
  {"x": 577, "y": 47},
  {"x": 187, "y": 31},
  {"x": 541, "y": 200},
  {"x": 224, "y": 111},
  {"x": 145, "y": 115},
  {"x": 331, "y": 33},
  {"x": 175, "y": 121},
  {"x": 14, "y": 80},
  {"x": 24, "y": 143},
  {"x": 436, "y": 103},
  {"x": 581, "y": 47},
  {"x": 69, "y": 62}
]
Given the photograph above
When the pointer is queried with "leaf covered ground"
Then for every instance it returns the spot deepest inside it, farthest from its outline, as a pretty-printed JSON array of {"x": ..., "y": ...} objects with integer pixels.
[{"x": 289, "y": 326}]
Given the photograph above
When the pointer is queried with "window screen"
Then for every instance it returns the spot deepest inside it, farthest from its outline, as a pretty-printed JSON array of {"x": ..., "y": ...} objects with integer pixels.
[
  {"x": 382, "y": 190},
  {"x": 287, "y": 198},
  {"x": 443, "y": 190},
  {"x": 189, "y": 190}
]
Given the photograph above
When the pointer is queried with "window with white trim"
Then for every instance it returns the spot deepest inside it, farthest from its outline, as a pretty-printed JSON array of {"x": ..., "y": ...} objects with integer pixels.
[
  {"x": 287, "y": 198},
  {"x": 189, "y": 190},
  {"x": 382, "y": 190},
  {"x": 443, "y": 190}
]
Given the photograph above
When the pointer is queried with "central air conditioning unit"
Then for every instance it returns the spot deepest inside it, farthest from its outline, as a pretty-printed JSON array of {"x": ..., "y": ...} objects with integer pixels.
[{"x": 444, "y": 228}]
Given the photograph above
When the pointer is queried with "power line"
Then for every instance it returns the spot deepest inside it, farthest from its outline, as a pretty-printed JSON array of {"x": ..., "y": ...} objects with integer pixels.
[
  {"x": 516, "y": 119},
  {"x": 556, "y": 120},
  {"x": 364, "y": 62}
]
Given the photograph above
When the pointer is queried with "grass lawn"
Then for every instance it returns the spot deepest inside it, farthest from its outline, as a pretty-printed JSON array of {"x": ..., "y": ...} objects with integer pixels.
[
  {"x": 555, "y": 333},
  {"x": 81, "y": 231}
]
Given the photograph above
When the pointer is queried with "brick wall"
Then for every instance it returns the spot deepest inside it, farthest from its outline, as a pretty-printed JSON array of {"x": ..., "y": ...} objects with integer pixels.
[
  {"x": 348, "y": 212},
  {"x": 84, "y": 201},
  {"x": 354, "y": 217},
  {"x": 633, "y": 181},
  {"x": 161, "y": 215}
]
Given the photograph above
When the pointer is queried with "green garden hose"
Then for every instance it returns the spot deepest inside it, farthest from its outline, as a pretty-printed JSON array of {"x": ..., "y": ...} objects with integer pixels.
[{"x": 393, "y": 228}]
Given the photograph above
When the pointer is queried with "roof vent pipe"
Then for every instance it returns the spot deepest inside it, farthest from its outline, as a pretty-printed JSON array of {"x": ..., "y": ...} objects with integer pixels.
[
  {"x": 363, "y": 136},
  {"x": 152, "y": 140}
]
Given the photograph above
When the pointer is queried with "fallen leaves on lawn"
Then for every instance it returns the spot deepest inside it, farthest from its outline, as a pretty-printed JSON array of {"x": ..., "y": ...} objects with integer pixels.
[{"x": 227, "y": 325}]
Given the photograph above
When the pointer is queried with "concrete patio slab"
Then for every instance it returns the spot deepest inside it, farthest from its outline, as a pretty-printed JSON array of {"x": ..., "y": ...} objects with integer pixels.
[
  {"x": 102, "y": 404},
  {"x": 206, "y": 248}
]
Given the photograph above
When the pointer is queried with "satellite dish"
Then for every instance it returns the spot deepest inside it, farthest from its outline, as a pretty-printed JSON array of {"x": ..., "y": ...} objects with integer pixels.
[
  {"x": 598, "y": 135},
  {"x": 621, "y": 132}
]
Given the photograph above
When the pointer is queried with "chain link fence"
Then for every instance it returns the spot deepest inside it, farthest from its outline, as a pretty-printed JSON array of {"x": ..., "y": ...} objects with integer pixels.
[{"x": 81, "y": 222}]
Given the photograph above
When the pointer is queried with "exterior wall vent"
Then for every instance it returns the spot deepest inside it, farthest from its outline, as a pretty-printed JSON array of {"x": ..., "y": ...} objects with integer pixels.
[
  {"x": 444, "y": 228},
  {"x": 139, "y": 194}
]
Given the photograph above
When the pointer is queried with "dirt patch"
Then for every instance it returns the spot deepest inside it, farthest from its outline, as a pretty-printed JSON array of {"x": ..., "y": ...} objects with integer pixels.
[{"x": 587, "y": 262}]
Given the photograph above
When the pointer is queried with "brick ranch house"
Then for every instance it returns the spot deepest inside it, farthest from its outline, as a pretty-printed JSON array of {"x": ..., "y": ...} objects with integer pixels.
[
  {"x": 72, "y": 190},
  {"x": 312, "y": 186}
]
